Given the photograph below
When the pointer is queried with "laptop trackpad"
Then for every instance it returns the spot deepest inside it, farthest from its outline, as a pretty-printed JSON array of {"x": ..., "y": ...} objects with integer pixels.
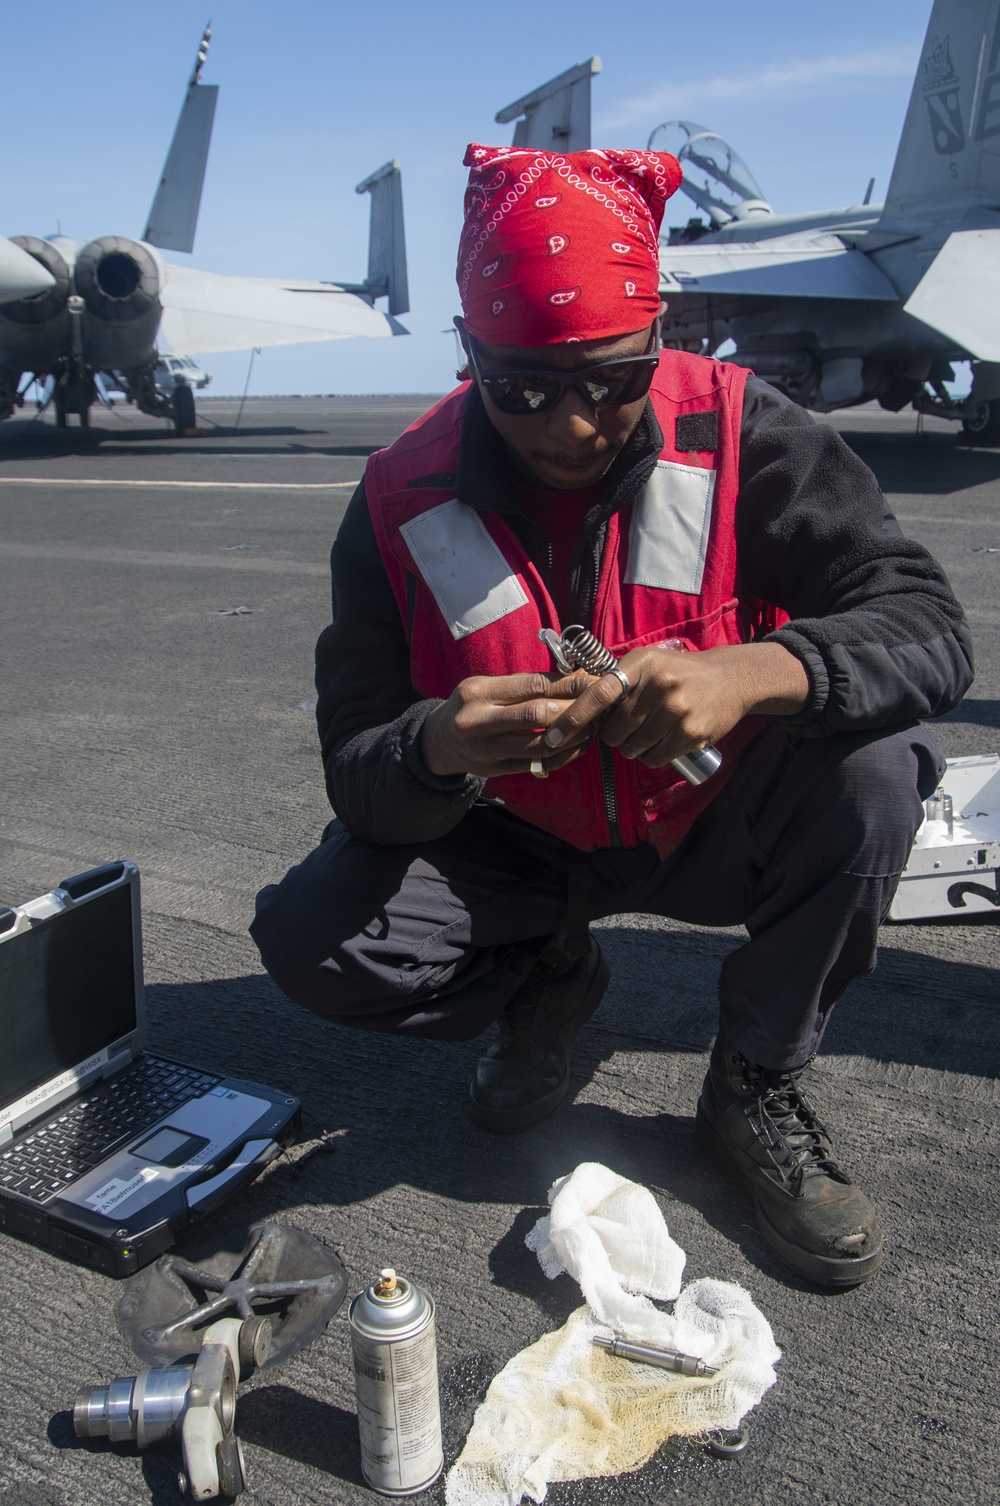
[{"x": 169, "y": 1147}]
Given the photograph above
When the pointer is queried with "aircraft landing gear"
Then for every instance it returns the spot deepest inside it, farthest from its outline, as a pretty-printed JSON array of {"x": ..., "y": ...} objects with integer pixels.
[
  {"x": 62, "y": 417},
  {"x": 74, "y": 391},
  {"x": 980, "y": 418},
  {"x": 184, "y": 412},
  {"x": 10, "y": 396},
  {"x": 982, "y": 425},
  {"x": 140, "y": 388}
]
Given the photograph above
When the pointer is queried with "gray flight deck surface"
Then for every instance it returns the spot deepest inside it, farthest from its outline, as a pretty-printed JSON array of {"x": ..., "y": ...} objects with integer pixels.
[{"x": 137, "y": 722}]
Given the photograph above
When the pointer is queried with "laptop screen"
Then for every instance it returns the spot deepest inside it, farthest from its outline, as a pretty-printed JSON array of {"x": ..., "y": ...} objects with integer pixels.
[{"x": 67, "y": 989}]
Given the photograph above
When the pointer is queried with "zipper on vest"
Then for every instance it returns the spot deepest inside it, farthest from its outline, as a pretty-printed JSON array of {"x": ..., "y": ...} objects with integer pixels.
[
  {"x": 607, "y": 758},
  {"x": 610, "y": 793}
]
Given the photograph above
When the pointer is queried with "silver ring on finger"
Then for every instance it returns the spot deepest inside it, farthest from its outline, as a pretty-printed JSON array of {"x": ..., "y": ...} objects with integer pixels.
[{"x": 620, "y": 675}]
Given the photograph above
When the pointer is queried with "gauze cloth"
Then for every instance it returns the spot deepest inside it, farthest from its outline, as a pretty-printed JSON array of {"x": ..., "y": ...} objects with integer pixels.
[
  {"x": 559, "y": 247},
  {"x": 564, "y": 1409}
]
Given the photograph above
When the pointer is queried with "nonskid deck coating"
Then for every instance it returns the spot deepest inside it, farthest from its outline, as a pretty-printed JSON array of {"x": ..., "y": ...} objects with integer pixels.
[{"x": 140, "y": 722}]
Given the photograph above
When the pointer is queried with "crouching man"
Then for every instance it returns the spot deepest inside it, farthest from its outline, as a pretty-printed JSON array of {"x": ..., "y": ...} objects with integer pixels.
[{"x": 740, "y": 564}]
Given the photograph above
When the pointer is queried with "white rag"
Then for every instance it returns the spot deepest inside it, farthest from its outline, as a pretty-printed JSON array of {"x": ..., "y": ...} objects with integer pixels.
[{"x": 564, "y": 1409}]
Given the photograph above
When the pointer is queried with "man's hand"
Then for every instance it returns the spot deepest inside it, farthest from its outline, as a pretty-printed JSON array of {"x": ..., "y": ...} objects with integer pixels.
[
  {"x": 681, "y": 701},
  {"x": 492, "y": 725}
]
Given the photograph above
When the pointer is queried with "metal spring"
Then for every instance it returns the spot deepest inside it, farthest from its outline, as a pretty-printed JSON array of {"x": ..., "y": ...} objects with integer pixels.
[{"x": 586, "y": 651}]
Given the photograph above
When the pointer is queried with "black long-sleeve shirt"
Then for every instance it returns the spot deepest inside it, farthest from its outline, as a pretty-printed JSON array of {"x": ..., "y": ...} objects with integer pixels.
[{"x": 873, "y": 618}]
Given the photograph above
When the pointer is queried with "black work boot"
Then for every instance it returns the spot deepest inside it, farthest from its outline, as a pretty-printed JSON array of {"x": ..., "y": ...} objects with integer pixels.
[
  {"x": 525, "y": 1074},
  {"x": 761, "y": 1124}
]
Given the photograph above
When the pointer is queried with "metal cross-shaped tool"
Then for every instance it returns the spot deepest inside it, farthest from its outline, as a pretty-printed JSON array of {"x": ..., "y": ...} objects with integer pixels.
[{"x": 240, "y": 1290}]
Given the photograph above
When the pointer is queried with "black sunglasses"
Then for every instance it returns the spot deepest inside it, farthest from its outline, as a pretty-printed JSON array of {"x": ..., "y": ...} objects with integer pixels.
[{"x": 622, "y": 380}]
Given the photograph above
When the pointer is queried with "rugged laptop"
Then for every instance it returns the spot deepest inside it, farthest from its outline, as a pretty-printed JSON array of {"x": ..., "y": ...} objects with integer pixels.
[{"x": 107, "y": 1151}]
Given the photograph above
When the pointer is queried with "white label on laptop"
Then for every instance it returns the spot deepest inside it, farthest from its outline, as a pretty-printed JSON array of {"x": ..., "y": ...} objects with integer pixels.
[
  {"x": 52, "y": 1088},
  {"x": 116, "y": 1191}
]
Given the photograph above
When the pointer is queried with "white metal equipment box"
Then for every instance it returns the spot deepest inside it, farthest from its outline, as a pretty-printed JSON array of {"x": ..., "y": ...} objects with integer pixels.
[{"x": 954, "y": 865}]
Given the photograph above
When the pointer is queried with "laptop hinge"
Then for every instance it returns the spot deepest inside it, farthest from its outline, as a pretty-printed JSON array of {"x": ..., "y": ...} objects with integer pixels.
[{"x": 116, "y": 1063}]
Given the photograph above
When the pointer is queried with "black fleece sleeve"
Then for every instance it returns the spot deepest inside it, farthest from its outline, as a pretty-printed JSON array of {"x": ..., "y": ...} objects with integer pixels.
[
  {"x": 368, "y": 713},
  {"x": 873, "y": 618}
]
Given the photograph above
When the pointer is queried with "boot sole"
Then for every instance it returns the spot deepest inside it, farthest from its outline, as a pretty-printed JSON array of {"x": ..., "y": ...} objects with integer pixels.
[
  {"x": 825, "y": 1270},
  {"x": 512, "y": 1121}
]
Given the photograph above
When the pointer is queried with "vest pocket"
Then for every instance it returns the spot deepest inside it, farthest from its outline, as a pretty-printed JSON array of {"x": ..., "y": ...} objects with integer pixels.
[{"x": 716, "y": 629}]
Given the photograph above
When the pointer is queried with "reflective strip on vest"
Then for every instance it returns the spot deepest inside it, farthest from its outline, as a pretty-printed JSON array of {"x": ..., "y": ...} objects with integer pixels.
[
  {"x": 467, "y": 575},
  {"x": 669, "y": 529}
]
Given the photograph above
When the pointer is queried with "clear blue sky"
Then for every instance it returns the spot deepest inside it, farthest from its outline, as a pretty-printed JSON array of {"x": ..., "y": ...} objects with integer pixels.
[{"x": 315, "y": 95}]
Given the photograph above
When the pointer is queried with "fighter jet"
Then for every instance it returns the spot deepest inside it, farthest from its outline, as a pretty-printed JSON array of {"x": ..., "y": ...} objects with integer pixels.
[
  {"x": 88, "y": 318},
  {"x": 870, "y": 302}
]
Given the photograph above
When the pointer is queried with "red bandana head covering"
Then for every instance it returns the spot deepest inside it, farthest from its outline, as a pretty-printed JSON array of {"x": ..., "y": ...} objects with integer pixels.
[{"x": 558, "y": 248}]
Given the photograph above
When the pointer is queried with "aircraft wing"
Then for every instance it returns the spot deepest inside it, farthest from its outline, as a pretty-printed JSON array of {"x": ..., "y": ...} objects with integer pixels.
[
  {"x": 959, "y": 294},
  {"x": 205, "y": 312},
  {"x": 816, "y": 266},
  {"x": 21, "y": 276}
]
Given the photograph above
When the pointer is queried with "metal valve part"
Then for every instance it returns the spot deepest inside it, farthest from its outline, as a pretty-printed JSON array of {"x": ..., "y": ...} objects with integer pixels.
[
  {"x": 577, "y": 648},
  {"x": 197, "y": 1402}
]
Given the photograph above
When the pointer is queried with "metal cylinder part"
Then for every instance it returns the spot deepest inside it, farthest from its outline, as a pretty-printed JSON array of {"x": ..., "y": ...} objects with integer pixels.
[
  {"x": 662, "y": 1359},
  {"x": 255, "y": 1343},
  {"x": 105, "y": 1411},
  {"x": 941, "y": 808},
  {"x": 698, "y": 766},
  {"x": 159, "y": 1399},
  {"x": 138, "y": 1409},
  {"x": 396, "y": 1383}
]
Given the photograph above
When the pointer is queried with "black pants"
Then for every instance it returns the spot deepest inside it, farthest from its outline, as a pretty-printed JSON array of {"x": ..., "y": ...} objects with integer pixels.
[{"x": 804, "y": 847}]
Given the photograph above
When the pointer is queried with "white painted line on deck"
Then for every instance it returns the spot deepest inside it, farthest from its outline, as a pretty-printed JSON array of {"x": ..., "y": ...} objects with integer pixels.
[
  {"x": 54, "y": 550},
  {"x": 202, "y": 486}
]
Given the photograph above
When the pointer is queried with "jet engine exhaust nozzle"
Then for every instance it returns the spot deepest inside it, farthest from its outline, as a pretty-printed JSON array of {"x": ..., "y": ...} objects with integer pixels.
[
  {"x": 118, "y": 279},
  {"x": 49, "y": 304}
]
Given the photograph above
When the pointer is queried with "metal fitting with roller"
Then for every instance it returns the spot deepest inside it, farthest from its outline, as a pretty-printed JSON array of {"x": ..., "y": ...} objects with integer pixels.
[{"x": 196, "y": 1402}]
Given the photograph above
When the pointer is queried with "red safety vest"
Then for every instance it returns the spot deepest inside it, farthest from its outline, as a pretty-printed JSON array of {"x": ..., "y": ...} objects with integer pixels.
[{"x": 472, "y": 602}]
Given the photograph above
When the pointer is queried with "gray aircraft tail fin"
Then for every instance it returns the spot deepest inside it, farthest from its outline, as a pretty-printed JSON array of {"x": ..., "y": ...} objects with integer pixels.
[
  {"x": 556, "y": 116},
  {"x": 386, "y": 239},
  {"x": 174, "y": 213},
  {"x": 949, "y": 152}
]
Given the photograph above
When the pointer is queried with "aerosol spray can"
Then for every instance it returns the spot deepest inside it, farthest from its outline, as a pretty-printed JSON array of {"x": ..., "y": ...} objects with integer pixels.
[{"x": 396, "y": 1382}]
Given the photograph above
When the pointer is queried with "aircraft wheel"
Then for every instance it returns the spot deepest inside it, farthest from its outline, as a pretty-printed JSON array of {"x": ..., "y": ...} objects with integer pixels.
[
  {"x": 983, "y": 424},
  {"x": 184, "y": 414}
]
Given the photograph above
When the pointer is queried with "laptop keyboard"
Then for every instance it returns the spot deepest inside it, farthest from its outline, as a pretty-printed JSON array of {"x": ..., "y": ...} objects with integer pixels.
[{"x": 48, "y": 1159}]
